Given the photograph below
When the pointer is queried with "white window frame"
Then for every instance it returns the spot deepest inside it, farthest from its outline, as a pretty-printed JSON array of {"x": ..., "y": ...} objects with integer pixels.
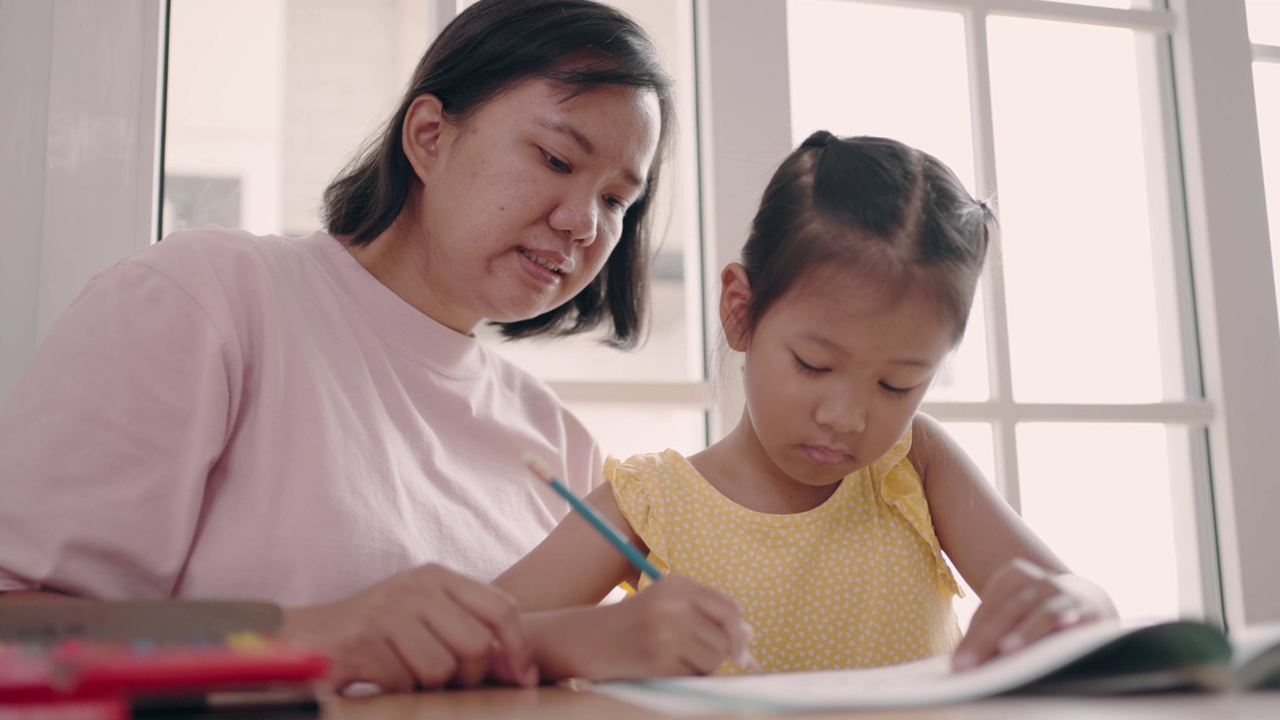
[{"x": 79, "y": 186}]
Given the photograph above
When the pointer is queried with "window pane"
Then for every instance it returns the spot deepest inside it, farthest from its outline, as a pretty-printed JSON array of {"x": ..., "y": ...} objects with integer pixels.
[
  {"x": 1078, "y": 260},
  {"x": 261, "y": 112},
  {"x": 674, "y": 347},
  {"x": 1099, "y": 495},
  {"x": 922, "y": 51},
  {"x": 1264, "y": 21},
  {"x": 623, "y": 432},
  {"x": 1266, "y": 88}
]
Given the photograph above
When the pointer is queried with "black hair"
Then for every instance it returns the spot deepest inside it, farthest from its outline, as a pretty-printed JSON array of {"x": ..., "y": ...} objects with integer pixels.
[
  {"x": 867, "y": 208},
  {"x": 488, "y": 49}
]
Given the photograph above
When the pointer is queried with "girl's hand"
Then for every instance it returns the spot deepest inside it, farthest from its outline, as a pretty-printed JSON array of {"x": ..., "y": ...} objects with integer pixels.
[
  {"x": 428, "y": 627},
  {"x": 675, "y": 627},
  {"x": 1022, "y": 603}
]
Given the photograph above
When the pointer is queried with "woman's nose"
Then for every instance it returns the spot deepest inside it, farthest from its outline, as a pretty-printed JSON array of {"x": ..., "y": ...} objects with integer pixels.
[{"x": 578, "y": 221}]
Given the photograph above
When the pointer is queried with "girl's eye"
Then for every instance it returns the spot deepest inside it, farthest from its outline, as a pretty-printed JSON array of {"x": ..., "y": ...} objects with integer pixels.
[
  {"x": 556, "y": 163},
  {"x": 806, "y": 368},
  {"x": 894, "y": 390},
  {"x": 615, "y": 203}
]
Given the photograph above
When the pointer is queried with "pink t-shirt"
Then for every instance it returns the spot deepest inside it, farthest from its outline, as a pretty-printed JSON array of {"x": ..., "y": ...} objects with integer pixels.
[{"x": 229, "y": 416}]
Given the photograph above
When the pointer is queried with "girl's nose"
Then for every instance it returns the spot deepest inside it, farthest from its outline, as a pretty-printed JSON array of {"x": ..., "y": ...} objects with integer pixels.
[
  {"x": 843, "y": 410},
  {"x": 578, "y": 221}
]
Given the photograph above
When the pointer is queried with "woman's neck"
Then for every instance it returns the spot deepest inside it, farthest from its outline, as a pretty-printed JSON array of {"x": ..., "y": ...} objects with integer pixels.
[{"x": 397, "y": 258}]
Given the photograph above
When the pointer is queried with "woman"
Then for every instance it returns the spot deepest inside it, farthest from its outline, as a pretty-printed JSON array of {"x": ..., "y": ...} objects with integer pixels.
[{"x": 311, "y": 421}]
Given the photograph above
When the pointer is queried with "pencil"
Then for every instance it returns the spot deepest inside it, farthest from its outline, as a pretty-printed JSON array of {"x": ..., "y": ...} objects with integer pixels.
[{"x": 596, "y": 519}]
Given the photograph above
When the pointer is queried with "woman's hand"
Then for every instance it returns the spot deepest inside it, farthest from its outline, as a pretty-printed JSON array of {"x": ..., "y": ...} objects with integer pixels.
[
  {"x": 428, "y": 627},
  {"x": 1022, "y": 603},
  {"x": 675, "y": 627}
]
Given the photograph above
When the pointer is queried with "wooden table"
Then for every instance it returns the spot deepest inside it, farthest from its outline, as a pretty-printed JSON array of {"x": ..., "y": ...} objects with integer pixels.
[{"x": 560, "y": 703}]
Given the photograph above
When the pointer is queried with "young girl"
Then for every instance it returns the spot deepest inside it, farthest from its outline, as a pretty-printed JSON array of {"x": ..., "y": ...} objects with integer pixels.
[{"x": 827, "y": 511}]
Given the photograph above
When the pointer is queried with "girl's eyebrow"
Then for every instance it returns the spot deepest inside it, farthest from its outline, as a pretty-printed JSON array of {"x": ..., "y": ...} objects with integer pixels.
[
  {"x": 584, "y": 142},
  {"x": 837, "y": 347}
]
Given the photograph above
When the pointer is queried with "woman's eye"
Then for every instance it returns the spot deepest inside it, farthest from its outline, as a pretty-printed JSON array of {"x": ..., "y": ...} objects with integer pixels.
[
  {"x": 806, "y": 367},
  {"x": 615, "y": 203},
  {"x": 894, "y": 390},
  {"x": 556, "y": 163}
]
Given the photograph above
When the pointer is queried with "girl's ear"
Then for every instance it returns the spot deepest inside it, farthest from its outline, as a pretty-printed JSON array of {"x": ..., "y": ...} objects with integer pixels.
[
  {"x": 735, "y": 296},
  {"x": 420, "y": 136}
]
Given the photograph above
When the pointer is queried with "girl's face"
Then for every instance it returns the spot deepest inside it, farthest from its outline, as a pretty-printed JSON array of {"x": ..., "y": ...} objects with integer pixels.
[
  {"x": 521, "y": 206},
  {"x": 834, "y": 375}
]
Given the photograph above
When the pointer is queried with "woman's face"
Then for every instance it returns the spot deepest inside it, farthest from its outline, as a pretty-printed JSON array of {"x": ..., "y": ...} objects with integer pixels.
[{"x": 521, "y": 205}]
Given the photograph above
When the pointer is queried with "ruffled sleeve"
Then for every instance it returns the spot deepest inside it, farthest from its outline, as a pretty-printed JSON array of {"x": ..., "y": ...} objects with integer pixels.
[
  {"x": 902, "y": 489},
  {"x": 635, "y": 489}
]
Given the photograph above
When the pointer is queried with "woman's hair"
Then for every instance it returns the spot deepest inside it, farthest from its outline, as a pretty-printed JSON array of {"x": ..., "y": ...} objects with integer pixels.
[
  {"x": 867, "y": 212},
  {"x": 488, "y": 49}
]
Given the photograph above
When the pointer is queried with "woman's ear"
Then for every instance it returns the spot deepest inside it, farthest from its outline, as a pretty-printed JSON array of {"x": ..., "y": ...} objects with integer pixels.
[
  {"x": 735, "y": 298},
  {"x": 420, "y": 135}
]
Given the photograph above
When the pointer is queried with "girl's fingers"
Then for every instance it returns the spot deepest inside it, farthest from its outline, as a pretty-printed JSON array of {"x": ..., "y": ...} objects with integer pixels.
[
  {"x": 1038, "y": 622},
  {"x": 705, "y": 649},
  {"x": 726, "y": 614},
  {"x": 1014, "y": 592},
  {"x": 1057, "y": 612}
]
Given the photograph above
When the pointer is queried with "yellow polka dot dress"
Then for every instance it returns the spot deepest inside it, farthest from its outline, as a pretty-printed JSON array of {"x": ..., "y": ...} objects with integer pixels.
[{"x": 858, "y": 581}]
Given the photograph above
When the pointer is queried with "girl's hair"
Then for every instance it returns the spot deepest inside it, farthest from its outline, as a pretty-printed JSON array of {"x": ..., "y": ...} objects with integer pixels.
[
  {"x": 867, "y": 211},
  {"x": 488, "y": 49}
]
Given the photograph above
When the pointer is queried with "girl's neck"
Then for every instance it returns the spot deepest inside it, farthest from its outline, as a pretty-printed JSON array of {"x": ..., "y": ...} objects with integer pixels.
[{"x": 740, "y": 469}]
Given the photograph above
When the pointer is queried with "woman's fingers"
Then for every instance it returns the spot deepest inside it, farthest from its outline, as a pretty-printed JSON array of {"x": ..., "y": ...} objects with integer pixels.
[
  {"x": 428, "y": 627},
  {"x": 501, "y": 616},
  {"x": 428, "y": 659}
]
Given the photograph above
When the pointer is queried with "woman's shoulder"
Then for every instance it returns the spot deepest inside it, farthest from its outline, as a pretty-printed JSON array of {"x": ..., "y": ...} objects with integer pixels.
[
  {"x": 227, "y": 266},
  {"x": 212, "y": 248}
]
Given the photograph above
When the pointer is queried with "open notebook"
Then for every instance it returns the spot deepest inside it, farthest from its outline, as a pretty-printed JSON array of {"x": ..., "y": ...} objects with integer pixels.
[{"x": 1101, "y": 658}]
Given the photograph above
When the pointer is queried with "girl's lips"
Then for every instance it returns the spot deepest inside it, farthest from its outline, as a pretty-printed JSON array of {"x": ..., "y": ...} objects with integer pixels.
[{"x": 826, "y": 456}]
